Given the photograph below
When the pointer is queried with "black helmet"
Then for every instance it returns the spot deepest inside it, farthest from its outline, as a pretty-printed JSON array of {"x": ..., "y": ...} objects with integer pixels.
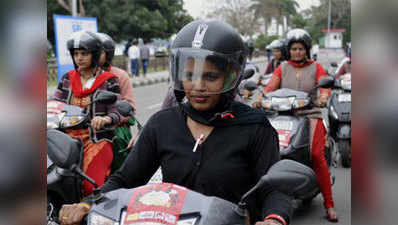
[
  {"x": 207, "y": 40},
  {"x": 85, "y": 40},
  {"x": 301, "y": 36},
  {"x": 109, "y": 47}
]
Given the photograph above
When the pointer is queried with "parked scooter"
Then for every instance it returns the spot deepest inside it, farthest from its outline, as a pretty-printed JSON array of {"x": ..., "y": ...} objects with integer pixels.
[
  {"x": 63, "y": 185},
  {"x": 339, "y": 107},
  {"x": 166, "y": 203},
  {"x": 287, "y": 111}
]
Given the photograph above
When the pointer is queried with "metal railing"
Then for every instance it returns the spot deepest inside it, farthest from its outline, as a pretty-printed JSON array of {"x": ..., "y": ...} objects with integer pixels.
[{"x": 155, "y": 64}]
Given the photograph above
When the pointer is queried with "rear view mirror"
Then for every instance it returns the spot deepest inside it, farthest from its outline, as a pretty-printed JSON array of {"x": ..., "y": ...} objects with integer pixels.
[
  {"x": 333, "y": 64},
  {"x": 291, "y": 178},
  {"x": 105, "y": 97},
  {"x": 63, "y": 150},
  {"x": 287, "y": 176},
  {"x": 248, "y": 74},
  {"x": 326, "y": 82},
  {"x": 124, "y": 108}
]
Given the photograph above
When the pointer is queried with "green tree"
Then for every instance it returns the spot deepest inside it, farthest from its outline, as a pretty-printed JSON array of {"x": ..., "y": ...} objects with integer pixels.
[
  {"x": 123, "y": 19},
  {"x": 262, "y": 41},
  {"x": 340, "y": 18},
  {"x": 298, "y": 21},
  {"x": 266, "y": 10},
  {"x": 246, "y": 23},
  {"x": 278, "y": 9}
]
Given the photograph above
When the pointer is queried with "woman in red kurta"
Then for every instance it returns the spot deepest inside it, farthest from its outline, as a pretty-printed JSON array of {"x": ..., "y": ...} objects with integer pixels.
[
  {"x": 78, "y": 87},
  {"x": 302, "y": 74}
]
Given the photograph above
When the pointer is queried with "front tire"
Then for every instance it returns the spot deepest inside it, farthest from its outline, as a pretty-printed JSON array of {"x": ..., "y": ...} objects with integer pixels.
[{"x": 345, "y": 152}]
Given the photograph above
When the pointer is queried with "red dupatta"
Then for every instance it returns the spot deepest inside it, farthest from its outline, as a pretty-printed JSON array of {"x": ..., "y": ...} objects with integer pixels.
[{"x": 76, "y": 83}]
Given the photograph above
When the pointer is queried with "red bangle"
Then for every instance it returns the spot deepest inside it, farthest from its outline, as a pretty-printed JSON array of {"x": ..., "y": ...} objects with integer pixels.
[{"x": 276, "y": 217}]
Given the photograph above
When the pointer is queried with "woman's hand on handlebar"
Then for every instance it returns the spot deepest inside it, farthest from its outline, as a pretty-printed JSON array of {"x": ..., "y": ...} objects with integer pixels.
[
  {"x": 99, "y": 122},
  {"x": 257, "y": 102},
  {"x": 72, "y": 214},
  {"x": 322, "y": 100}
]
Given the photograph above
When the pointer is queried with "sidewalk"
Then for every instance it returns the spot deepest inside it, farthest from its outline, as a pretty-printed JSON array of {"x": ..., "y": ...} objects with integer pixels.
[{"x": 151, "y": 78}]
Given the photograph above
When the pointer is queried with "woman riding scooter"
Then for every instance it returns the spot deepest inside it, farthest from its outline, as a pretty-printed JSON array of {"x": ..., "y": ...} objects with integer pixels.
[
  {"x": 199, "y": 144},
  {"x": 302, "y": 74},
  {"x": 123, "y": 133},
  {"x": 279, "y": 53},
  {"x": 77, "y": 87}
]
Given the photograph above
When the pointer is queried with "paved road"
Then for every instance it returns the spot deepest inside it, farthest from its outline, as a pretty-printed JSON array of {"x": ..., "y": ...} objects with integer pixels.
[{"x": 149, "y": 99}]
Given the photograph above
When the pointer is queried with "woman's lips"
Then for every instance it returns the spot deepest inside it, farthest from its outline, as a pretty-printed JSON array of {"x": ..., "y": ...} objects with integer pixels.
[{"x": 199, "y": 98}]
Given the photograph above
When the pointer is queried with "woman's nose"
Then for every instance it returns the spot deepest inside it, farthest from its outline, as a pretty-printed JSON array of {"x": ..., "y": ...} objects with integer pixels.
[{"x": 199, "y": 84}]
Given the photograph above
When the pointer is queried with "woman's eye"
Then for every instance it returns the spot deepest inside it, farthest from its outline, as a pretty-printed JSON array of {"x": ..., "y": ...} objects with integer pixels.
[
  {"x": 188, "y": 75},
  {"x": 210, "y": 76}
]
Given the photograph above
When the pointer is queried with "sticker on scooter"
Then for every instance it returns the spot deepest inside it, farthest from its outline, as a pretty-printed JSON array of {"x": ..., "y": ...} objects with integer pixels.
[
  {"x": 284, "y": 137},
  {"x": 156, "y": 204}
]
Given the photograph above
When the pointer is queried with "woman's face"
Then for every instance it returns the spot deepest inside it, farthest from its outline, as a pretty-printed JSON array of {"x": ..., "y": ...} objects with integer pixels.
[
  {"x": 277, "y": 53},
  {"x": 297, "y": 52},
  {"x": 197, "y": 89},
  {"x": 82, "y": 58}
]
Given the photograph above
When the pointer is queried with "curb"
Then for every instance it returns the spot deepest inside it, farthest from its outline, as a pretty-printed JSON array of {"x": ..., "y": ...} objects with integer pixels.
[{"x": 149, "y": 81}]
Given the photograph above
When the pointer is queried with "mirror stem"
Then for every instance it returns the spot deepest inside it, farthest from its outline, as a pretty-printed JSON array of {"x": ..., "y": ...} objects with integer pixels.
[
  {"x": 243, "y": 201},
  {"x": 76, "y": 169}
]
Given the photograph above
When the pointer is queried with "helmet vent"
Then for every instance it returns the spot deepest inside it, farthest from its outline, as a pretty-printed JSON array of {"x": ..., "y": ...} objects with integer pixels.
[
  {"x": 77, "y": 43},
  {"x": 199, "y": 36}
]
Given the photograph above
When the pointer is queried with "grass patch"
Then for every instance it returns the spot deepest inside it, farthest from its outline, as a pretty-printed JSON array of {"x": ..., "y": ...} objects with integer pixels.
[{"x": 51, "y": 83}]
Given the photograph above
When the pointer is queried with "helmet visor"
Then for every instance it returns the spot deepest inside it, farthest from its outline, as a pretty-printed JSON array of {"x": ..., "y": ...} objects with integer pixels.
[{"x": 204, "y": 71}]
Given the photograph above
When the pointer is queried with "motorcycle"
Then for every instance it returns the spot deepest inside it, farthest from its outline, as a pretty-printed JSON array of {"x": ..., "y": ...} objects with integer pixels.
[
  {"x": 166, "y": 203},
  {"x": 288, "y": 110},
  {"x": 339, "y": 107},
  {"x": 64, "y": 186}
]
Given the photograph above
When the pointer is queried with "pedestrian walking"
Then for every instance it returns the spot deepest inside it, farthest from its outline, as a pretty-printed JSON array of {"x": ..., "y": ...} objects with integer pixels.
[
  {"x": 134, "y": 55},
  {"x": 144, "y": 55}
]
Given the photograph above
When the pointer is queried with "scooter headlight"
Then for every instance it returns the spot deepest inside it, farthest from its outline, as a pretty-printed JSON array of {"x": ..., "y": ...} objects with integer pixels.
[
  {"x": 345, "y": 82},
  {"x": 70, "y": 121},
  {"x": 282, "y": 104},
  {"x": 96, "y": 219},
  {"x": 300, "y": 103},
  {"x": 334, "y": 113}
]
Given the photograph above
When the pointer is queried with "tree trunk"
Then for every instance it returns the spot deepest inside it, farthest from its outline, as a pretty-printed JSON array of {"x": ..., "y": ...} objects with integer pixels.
[
  {"x": 65, "y": 5},
  {"x": 82, "y": 12}
]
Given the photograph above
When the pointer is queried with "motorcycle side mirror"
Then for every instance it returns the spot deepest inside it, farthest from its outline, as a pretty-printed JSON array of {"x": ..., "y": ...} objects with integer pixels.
[
  {"x": 248, "y": 74},
  {"x": 326, "y": 82},
  {"x": 124, "y": 108},
  {"x": 333, "y": 64},
  {"x": 287, "y": 176},
  {"x": 105, "y": 97},
  {"x": 62, "y": 149}
]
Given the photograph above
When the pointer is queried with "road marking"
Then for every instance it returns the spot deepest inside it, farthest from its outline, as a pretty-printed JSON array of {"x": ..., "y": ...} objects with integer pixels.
[{"x": 154, "y": 106}]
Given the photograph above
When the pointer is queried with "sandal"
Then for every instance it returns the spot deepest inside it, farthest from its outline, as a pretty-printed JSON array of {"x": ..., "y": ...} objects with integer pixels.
[{"x": 329, "y": 217}]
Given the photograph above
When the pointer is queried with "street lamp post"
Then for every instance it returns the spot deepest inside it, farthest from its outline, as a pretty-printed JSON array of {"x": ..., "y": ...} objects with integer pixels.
[
  {"x": 329, "y": 21},
  {"x": 74, "y": 7}
]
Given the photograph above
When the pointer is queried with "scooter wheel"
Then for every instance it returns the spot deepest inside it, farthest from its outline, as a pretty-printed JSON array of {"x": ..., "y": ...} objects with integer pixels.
[
  {"x": 345, "y": 152},
  {"x": 308, "y": 201}
]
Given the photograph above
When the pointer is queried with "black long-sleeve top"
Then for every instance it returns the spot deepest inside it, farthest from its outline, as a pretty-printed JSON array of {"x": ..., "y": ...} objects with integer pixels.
[{"x": 227, "y": 164}]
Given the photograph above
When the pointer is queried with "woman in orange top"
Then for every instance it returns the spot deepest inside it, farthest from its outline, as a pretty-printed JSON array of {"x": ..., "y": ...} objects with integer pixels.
[{"x": 302, "y": 74}]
